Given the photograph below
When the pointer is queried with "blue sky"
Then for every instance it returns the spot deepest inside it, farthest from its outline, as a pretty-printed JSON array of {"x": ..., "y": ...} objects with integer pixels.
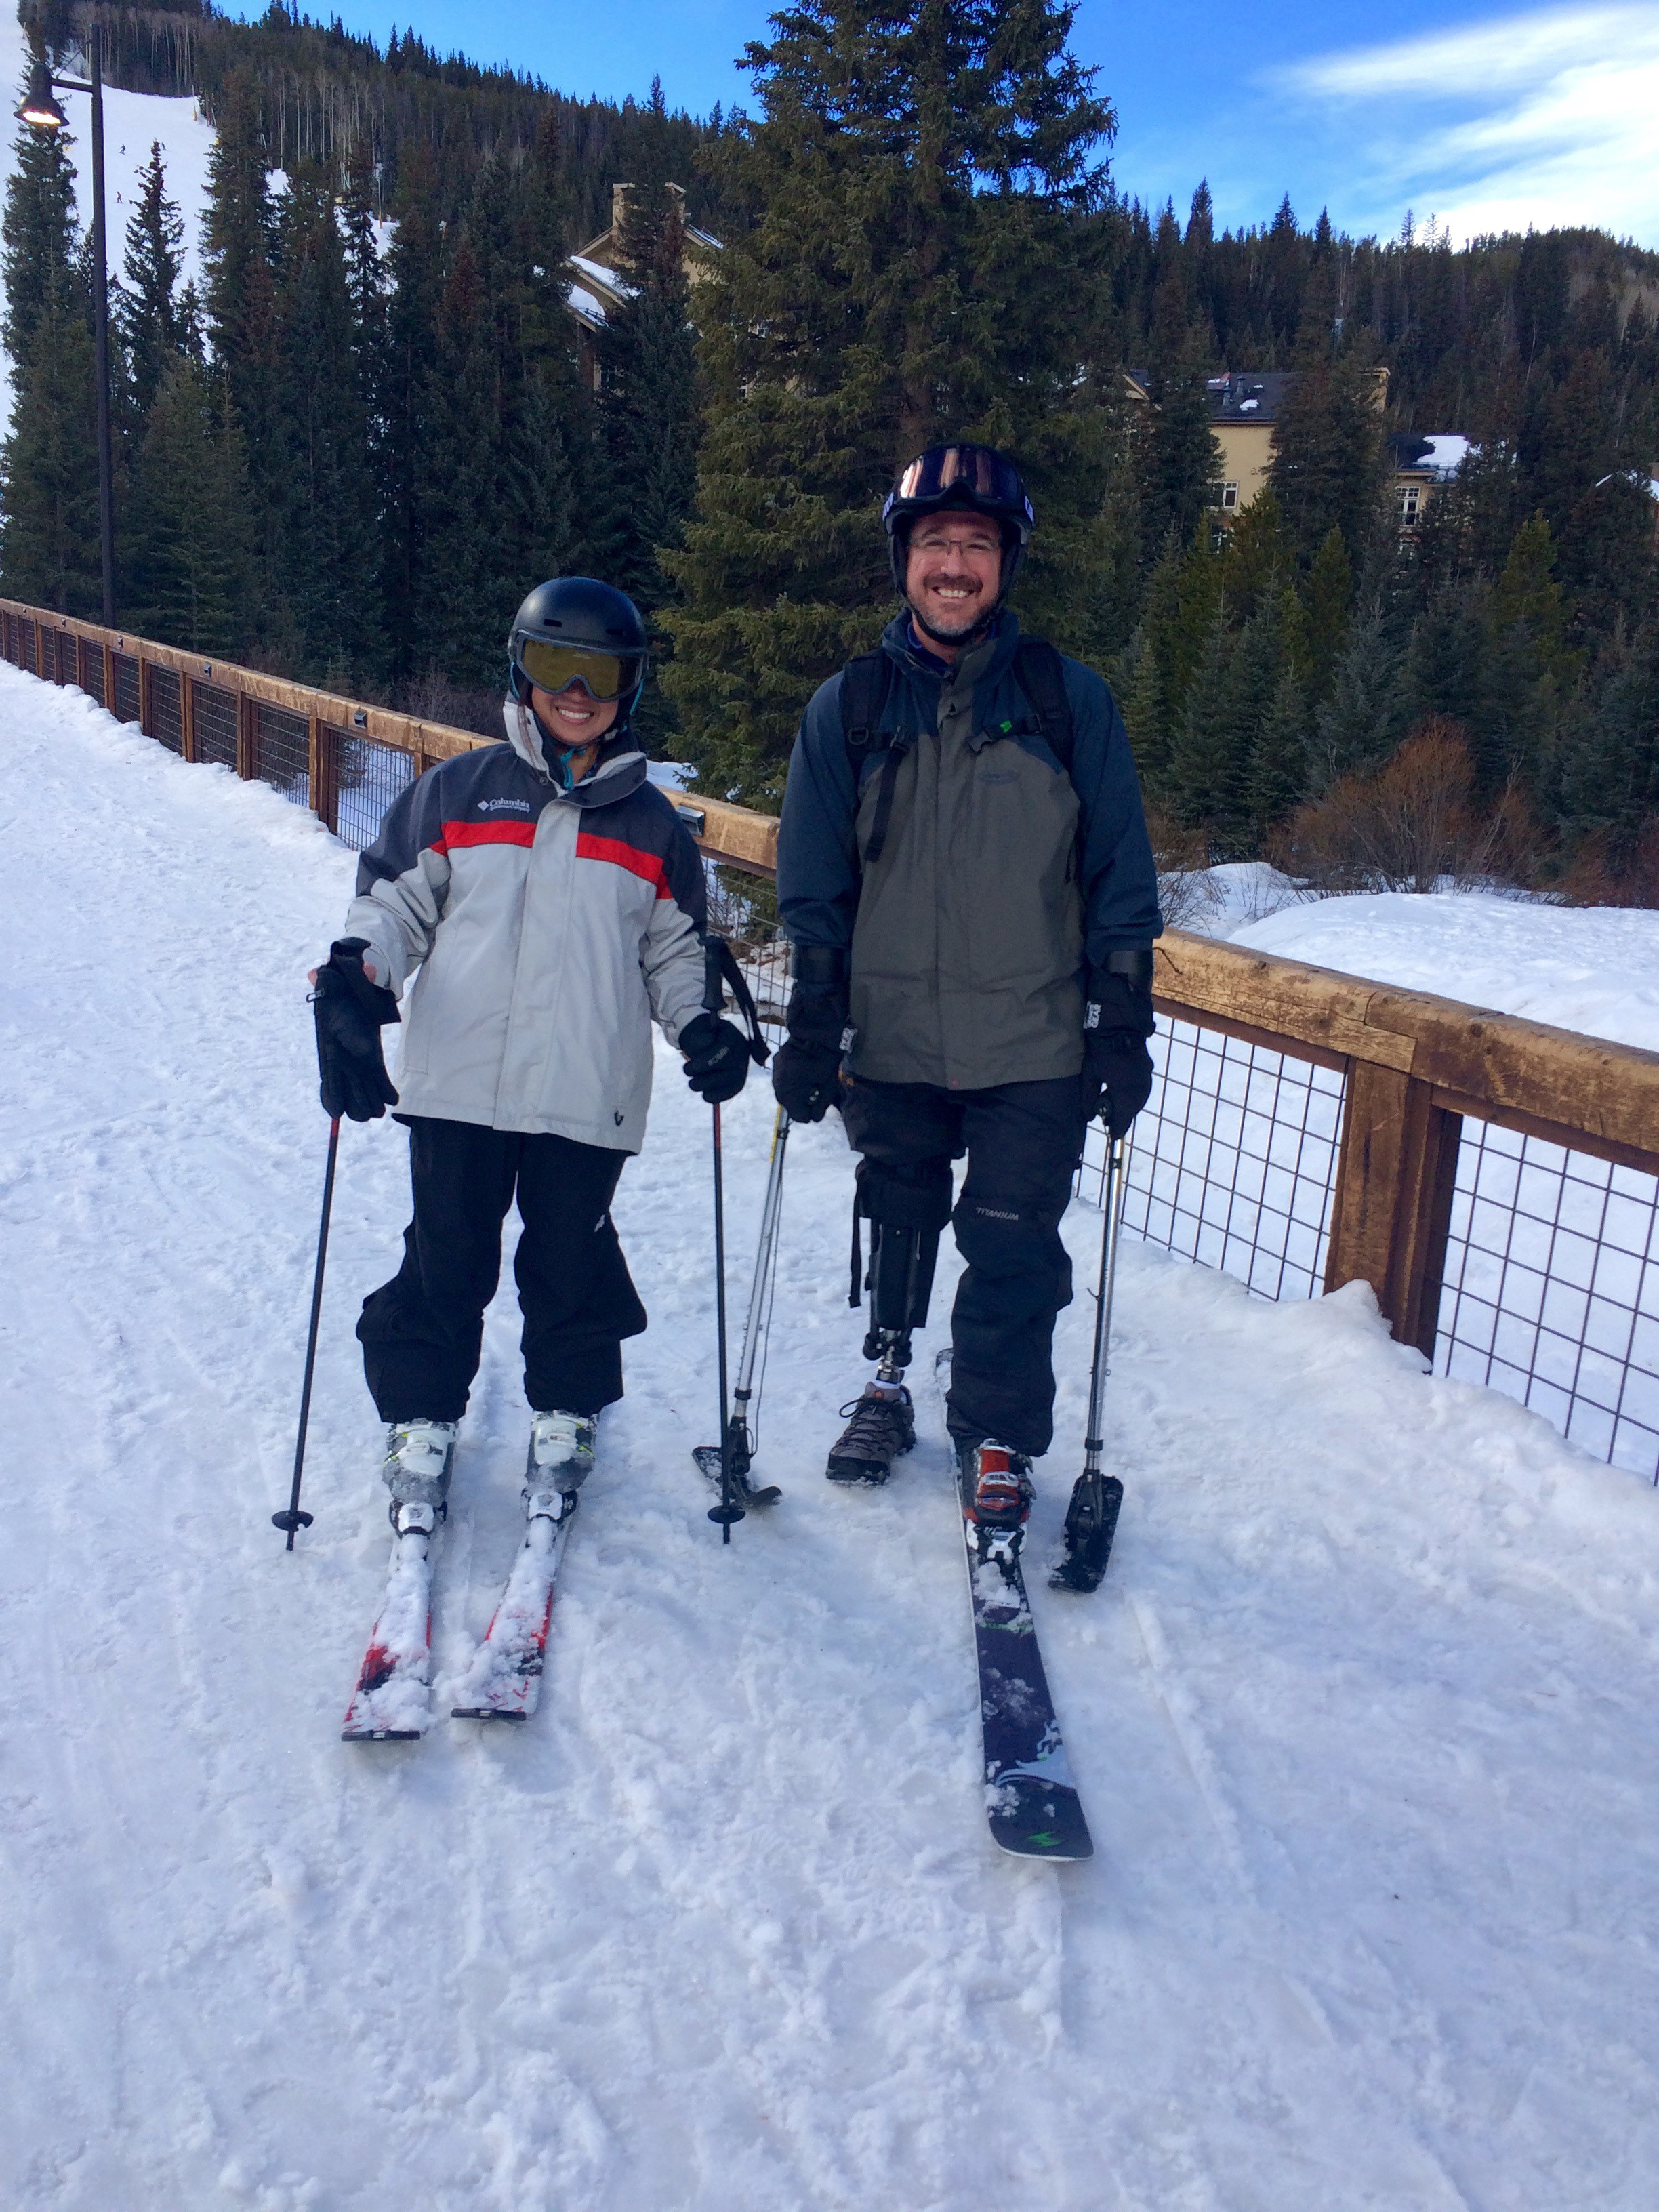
[{"x": 1483, "y": 117}]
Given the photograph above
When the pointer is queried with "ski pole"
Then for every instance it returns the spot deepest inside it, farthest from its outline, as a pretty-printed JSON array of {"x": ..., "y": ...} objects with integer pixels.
[
  {"x": 293, "y": 1519},
  {"x": 765, "y": 1257},
  {"x": 1091, "y": 1517},
  {"x": 730, "y": 1508}
]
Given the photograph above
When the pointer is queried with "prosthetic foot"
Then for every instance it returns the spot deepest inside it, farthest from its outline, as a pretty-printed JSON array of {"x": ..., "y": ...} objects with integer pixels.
[
  {"x": 882, "y": 1429},
  {"x": 884, "y": 1421}
]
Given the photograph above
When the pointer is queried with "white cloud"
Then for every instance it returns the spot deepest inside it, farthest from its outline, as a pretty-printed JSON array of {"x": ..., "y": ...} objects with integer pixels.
[{"x": 1548, "y": 117}]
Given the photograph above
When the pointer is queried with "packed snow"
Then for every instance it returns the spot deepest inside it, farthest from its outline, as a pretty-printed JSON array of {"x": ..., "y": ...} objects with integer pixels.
[{"x": 1362, "y": 1714}]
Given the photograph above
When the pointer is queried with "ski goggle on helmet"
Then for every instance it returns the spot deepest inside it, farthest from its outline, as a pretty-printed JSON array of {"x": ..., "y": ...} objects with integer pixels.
[
  {"x": 576, "y": 630},
  {"x": 955, "y": 477}
]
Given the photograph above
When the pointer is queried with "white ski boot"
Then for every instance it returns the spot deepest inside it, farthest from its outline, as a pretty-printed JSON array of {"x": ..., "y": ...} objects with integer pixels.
[
  {"x": 415, "y": 1470},
  {"x": 560, "y": 1459}
]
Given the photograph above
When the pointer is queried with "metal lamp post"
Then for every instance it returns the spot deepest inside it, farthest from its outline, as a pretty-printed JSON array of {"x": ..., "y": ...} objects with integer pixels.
[{"x": 42, "y": 111}]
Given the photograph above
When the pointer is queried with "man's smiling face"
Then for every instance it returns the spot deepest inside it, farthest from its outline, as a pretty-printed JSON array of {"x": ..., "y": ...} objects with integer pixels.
[{"x": 953, "y": 567}]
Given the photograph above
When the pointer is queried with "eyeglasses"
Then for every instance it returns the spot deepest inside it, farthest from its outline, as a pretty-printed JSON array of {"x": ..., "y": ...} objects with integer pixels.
[{"x": 556, "y": 667}]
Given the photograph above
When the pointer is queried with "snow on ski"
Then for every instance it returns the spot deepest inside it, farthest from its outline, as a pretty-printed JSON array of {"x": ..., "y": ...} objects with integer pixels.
[
  {"x": 1030, "y": 1800},
  {"x": 390, "y": 1701},
  {"x": 504, "y": 1680}
]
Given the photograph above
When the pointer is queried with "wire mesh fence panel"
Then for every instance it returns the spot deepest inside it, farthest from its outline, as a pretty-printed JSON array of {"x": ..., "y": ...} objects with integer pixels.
[
  {"x": 126, "y": 687},
  {"x": 1233, "y": 1161},
  {"x": 30, "y": 658},
  {"x": 281, "y": 750},
  {"x": 371, "y": 775},
  {"x": 214, "y": 713},
  {"x": 167, "y": 710},
  {"x": 1551, "y": 1290},
  {"x": 92, "y": 670},
  {"x": 741, "y": 909},
  {"x": 48, "y": 654}
]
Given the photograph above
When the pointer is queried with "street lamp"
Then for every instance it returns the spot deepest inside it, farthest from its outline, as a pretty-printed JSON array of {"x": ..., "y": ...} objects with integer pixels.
[{"x": 42, "y": 111}]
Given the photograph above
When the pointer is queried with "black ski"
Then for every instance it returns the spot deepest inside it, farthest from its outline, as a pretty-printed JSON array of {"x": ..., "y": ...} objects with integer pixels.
[{"x": 1031, "y": 1799}]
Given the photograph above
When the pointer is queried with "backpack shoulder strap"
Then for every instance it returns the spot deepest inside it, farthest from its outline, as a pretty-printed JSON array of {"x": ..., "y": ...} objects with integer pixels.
[
  {"x": 865, "y": 682},
  {"x": 1041, "y": 676}
]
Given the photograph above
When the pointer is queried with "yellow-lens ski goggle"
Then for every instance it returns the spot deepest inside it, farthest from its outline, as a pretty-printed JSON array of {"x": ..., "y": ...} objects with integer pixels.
[{"x": 556, "y": 667}]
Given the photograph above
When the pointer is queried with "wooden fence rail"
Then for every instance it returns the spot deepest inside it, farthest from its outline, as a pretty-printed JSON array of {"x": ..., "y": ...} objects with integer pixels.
[{"x": 1415, "y": 1067}]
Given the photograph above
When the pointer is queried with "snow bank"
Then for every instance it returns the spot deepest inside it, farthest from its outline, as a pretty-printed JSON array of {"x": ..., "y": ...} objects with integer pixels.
[
  {"x": 1594, "y": 968},
  {"x": 1362, "y": 1714}
]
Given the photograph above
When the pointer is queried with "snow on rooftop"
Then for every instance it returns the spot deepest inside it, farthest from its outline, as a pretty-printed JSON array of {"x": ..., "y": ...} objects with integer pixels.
[
  {"x": 597, "y": 273},
  {"x": 1446, "y": 454}
]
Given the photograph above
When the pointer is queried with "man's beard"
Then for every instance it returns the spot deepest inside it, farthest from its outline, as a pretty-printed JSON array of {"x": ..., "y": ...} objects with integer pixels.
[{"x": 969, "y": 631}]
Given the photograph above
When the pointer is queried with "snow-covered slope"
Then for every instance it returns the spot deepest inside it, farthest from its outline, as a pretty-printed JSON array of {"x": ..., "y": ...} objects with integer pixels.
[
  {"x": 1362, "y": 1714},
  {"x": 133, "y": 121}
]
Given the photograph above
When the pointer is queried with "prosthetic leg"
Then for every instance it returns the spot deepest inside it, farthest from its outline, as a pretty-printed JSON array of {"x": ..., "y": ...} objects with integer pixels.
[{"x": 905, "y": 1213}]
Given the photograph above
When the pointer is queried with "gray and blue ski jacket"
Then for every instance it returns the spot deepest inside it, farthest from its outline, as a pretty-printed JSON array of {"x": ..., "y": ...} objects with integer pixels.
[
  {"x": 1001, "y": 878},
  {"x": 547, "y": 925}
]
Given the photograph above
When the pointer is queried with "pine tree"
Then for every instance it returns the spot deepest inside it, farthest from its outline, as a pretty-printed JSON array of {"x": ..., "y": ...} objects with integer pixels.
[
  {"x": 1207, "y": 756},
  {"x": 49, "y": 533},
  {"x": 647, "y": 400},
  {"x": 1179, "y": 450},
  {"x": 190, "y": 568},
  {"x": 38, "y": 233},
  {"x": 148, "y": 317},
  {"x": 1330, "y": 466},
  {"x": 1327, "y": 593},
  {"x": 918, "y": 269},
  {"x": 1278, "y": 780},
  {"x": 1364, "y": 719},
  {"x": 1607, "y": 781},
  {"x": 49, "y": 538},
  {"x": 240, "y": 310},
  {"x": 327, "y": 524}
]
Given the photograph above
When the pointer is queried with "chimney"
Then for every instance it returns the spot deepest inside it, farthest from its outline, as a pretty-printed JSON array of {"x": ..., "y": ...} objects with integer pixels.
[{"x": 618, "y": 205}]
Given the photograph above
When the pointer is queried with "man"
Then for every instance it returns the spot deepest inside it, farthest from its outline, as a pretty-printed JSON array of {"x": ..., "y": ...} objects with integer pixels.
[
  {"x": 964, "y": 872},
  {"x": 553, "y": 904}
]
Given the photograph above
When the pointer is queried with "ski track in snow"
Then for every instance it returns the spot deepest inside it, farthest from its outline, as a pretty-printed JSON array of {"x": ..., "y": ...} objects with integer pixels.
[{"x": 1362, "y": 1716}]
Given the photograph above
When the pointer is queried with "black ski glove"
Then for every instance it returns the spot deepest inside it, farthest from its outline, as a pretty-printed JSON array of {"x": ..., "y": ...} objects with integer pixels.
[
  {"x": 1117, "y": 1020},
  {"x": 717, "y": 1057},
  {"x": 351, "y": 1012},
  {"x": 805, "y": 1072}
]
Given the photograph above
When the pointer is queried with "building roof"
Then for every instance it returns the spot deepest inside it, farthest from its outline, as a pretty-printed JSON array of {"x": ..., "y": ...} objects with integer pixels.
[{"x": 1249, "y": 395}]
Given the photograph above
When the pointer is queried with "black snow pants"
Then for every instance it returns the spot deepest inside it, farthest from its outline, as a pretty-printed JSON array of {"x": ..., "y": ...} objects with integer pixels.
[
  {"x": 1024, "y": 1141},
  {"x": 423, "y": 1333}
]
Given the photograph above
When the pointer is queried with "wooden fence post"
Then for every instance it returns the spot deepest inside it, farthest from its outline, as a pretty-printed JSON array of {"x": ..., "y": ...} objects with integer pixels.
[
  {"x": 187, "y": 716},
  {"x": 247, "y": 738},
  {"x": 1391, "y": 1212}
]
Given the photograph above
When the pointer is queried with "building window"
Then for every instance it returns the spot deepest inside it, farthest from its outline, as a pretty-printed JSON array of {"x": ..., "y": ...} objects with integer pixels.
[
  {"x": 1223, "y": 495},
  {"x": 1411, "y": 503}
]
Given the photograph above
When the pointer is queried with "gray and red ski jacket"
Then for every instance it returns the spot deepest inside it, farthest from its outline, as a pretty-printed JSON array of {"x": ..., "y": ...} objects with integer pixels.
[{"x": 547, "y": 925}]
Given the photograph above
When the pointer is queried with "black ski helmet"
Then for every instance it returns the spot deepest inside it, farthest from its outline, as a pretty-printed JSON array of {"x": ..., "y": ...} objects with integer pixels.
[
  {"x": 579, "y": 612},
  {"x": 976, "y": 477}
]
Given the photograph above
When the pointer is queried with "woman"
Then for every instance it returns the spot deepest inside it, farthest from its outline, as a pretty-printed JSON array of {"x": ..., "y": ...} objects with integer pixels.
[{"x": 552, "y": 904}]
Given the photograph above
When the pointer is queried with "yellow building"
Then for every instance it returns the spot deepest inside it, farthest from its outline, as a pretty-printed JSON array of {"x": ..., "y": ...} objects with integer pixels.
[{"x": 1244, "y": 409}]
